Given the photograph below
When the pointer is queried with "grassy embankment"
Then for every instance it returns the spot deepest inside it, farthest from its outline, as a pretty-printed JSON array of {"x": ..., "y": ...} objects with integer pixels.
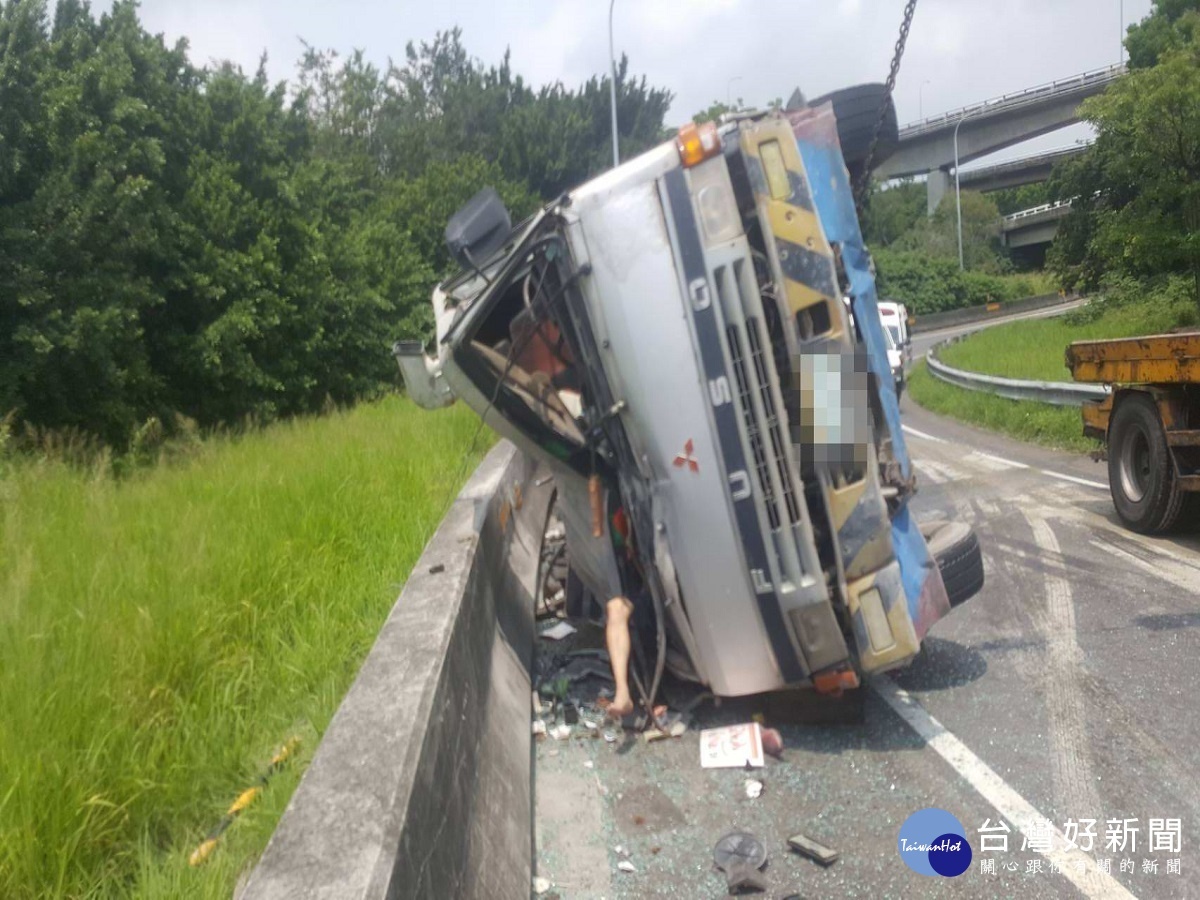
[
  {"x": 1034, "y": 349},
  {"x": 161, "y": 635}
]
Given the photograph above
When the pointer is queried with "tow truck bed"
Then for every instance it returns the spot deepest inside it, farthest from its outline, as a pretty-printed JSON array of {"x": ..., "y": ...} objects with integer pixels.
[{"x": 1158, "y": 359}]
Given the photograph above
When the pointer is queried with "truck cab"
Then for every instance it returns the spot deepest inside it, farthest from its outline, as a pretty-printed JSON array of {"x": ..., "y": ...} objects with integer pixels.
[{"x": 670, "y": 339}]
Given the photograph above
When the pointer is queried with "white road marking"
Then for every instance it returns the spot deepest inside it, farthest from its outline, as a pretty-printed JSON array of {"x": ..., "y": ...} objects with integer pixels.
[
  {"x": 1179, "y": 574},
  {"x": 987, "y": 508},
  {"x": 1184, "y": 558},
  {"x": 1061, "y": 668},
  {"x": 941, "y": 472},
  {"x": 1092, "y": 882},
  {"x": 922, "y": 435},
  {"x": 991, "y": 463},
  {"x": 931, "y": 472},
  {"x": 999, "y": 463},
  {"x": 1085, "y": 482}
]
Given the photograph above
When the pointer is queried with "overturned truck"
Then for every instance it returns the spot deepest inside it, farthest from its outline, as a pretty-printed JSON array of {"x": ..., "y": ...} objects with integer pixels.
[{"x": 691, "y": 343}]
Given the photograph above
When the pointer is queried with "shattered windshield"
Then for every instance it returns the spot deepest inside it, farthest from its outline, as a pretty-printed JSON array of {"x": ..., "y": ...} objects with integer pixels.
[{"x": 518, "y": 356}]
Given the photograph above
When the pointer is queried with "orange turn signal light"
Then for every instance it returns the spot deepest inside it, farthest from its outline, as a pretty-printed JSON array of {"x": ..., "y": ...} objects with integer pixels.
[
  {"x": 836, "y": 682},
  {"x": 697, "y": 143}
]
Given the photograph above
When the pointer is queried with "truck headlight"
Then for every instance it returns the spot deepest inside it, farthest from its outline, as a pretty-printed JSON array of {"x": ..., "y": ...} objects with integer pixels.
[{"x": 715, "y": 205}]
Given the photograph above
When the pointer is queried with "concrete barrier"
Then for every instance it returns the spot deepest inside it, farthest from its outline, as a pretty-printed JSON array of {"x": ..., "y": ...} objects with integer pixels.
[
  {"x": 421, "y": 784},
  {"x": 967, "y": 315}
]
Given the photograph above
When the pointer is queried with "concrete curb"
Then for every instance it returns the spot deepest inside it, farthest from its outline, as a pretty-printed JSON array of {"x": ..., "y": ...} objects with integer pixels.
[
  {"x": 421, "y": 784},
  {"x": 971, "y": 314}
]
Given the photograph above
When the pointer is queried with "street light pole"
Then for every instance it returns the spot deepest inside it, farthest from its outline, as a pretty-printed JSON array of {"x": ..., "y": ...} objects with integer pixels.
[
  {"x": 728, "y": 85},
  {"x": 1121, "y": 51},
  {"x": 957, "y": 192},
  {"x": 612, "y": 84}
]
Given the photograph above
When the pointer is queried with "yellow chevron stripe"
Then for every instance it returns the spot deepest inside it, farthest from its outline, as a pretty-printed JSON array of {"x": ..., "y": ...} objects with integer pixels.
[
  {"x": 799, "y": 226},
  {"x": 843, "y": 500}
]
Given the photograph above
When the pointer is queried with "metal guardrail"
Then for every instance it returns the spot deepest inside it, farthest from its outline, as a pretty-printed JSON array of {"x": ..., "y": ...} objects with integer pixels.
[
  {"x": 1055, "y": 393},
  {"x": 1015, "y": 100},
  {"x": 1036, "y": 211}
]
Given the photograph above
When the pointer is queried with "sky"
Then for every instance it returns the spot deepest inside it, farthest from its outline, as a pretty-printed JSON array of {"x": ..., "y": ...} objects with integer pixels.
[{"x": 959, "y": 51}]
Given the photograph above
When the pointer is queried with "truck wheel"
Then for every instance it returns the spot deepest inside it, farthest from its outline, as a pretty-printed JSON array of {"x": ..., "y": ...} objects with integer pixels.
[
  {"x": 1141, "y": 472},
  {"x": 956, "y": 549}
]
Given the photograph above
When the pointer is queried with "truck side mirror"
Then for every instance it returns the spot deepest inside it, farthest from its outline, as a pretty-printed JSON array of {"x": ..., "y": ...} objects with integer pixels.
[{"x": 478, "y": 229}]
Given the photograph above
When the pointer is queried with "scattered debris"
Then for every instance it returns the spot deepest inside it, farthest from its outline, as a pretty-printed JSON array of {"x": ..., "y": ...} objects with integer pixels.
[
  {"x": 675, "y": 726},
  {"x": 654, "y": 851},
  {"x": 588, "y": 724},
  {"x": 560, "y": 732},
  {"x": 806, "y": 846},
  {"x": 740, "y": 855},
  {"x": 754, "y": 788},
  {"x": 437, "y": 570},
  {"x": 772, "y": 742},
  {"x": 734, "y": 746},
  {"x": 539, "y": 727},
  {"x": 626, "y": 866},
  {"x": 739, "y": 846},
  {"x": 621, "y": 851},
  {"x": 541, "y": 885},
  {"x": 588, "y": 764},
  {"x": 559, "y": 631},
  {"x": 742, "y": 879},
  {"x": 570, "y": 713},
  {"x": 610, "y": 737},
  {"x": 537, "y": 704}
]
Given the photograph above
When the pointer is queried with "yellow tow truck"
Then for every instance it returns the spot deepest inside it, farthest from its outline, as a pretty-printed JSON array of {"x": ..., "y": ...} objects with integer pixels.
[{"x": 1150, "y": 422}]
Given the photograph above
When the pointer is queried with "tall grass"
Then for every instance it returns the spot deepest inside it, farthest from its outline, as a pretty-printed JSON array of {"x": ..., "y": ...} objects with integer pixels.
[
  {"x": 1038, "y": 423},
  {"x": 162, "y": 634},
  {"x": 1035, "y": 348}
]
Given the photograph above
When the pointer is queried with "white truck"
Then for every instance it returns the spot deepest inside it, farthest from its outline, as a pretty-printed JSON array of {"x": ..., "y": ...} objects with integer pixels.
[{"x": 670, "y": 339}]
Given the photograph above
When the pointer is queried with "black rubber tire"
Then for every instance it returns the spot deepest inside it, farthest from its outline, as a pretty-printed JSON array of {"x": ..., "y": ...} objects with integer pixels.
[
  {"x": 857, "y": 109},
  {"x": 956, "y": 549},
  {"x": 1141, "y": 472}
]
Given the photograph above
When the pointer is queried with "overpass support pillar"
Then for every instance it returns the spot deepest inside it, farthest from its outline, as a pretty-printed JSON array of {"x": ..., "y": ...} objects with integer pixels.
[{"x": 937, "y": 186}]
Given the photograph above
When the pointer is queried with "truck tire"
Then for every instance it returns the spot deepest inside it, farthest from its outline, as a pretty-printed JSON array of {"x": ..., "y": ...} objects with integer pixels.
[
  {"x": 1141, "y": 471},
  {"x": 857, "y": 110},
  {"x": 956, "y": 549}
]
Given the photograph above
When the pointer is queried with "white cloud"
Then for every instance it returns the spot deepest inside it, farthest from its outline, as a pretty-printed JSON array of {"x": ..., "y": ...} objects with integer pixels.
[{"x": 959, "y": 51}]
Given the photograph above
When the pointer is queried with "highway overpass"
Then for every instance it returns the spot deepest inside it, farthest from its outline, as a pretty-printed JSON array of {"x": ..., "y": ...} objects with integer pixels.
[
  {"x": 1028, "y": 233},
  {"x": 1017, "y": 172},
  {"x": 927, "y": 147}
]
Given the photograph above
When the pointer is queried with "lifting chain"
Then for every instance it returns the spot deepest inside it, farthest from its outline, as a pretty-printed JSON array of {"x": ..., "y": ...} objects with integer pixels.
[{"x": 864, "y": 181}]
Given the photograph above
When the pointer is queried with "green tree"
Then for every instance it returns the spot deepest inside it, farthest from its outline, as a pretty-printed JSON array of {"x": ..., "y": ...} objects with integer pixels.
[
  {"x": 1026, "y": 196},
  {"x": 176, "y": 239},
  {"x": 893, "y": 211},
  {"x": 1136, "y": 193},
  {"x": 937, "y": 236},
  {"x": 1171, "y": 24}
]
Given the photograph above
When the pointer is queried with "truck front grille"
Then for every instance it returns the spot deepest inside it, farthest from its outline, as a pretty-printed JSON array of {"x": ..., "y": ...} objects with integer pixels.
[
  {"x": 771, "y": 423},
  {"x": 753, "y": 432}
]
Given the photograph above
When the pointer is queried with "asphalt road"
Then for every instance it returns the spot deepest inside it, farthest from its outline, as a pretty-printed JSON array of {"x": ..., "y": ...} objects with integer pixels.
[{"x": 1066, "y": 689}]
